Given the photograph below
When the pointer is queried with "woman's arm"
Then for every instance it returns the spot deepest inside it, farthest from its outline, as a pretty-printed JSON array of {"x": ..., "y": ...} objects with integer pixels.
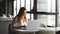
[{"x": 26, "y": 19}]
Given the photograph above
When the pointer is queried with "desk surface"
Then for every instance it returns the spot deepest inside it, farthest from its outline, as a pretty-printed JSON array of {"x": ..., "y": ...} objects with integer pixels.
[
  {"x": 50, "y": 29},
  {"x": 40, "y": 29},
  {"x": 26, "y": 30},
  {"x": 47, "y": 29}
]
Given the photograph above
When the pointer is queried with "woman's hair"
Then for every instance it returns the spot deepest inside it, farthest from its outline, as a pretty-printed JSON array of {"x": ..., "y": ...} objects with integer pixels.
[{"x": 21, "y": 12}]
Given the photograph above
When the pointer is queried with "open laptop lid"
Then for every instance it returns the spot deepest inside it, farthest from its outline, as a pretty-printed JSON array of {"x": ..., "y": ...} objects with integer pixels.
[{"x": 33, "y": 25}]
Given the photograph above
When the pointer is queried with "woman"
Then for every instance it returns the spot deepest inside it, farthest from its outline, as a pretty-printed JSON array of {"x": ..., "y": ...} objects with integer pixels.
[{"x": 20, "y": 19}]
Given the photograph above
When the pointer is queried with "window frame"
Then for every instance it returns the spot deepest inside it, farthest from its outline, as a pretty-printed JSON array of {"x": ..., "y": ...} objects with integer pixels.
[{"x": 46, "y": 13}]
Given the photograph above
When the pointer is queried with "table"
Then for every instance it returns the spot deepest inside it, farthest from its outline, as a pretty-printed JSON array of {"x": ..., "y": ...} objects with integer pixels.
[
  {"x": 28, "y": 31},
  {"x": 40, "y": 29}
]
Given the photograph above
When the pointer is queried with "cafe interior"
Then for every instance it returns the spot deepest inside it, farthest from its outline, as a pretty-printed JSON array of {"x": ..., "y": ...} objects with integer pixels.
[{"x": 43, "y": 16}]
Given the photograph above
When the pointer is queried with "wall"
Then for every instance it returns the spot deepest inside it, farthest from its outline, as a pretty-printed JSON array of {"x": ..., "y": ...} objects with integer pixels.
[{"x": 4, "y": 27}]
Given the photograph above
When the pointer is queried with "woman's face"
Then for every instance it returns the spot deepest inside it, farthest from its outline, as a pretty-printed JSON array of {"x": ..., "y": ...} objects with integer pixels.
[{"x": 24, "y": 12}]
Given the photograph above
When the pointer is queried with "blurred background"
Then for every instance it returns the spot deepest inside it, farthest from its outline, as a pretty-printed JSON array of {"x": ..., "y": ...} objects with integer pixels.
[{"x": 47, "y": 11}]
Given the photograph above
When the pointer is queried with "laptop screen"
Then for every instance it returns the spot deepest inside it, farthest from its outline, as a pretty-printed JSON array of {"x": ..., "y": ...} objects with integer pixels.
[{"x": 33, "y": 25}]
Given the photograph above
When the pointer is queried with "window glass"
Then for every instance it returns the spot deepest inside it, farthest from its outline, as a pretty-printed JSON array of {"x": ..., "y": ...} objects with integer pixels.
[
  {"x": 51, "y": 20},
  {"x": 42, "y": 5},
  {"x": 46, "y": 5},
  {"x": 28, "y": 5},
  {"x": 15, "y": 8},
  {"x": 32, "y": 4},
  {"x": 58, "y": 9},
  {"x": 22, "y": 3},
  {"x": 43, "y": 19},
  {"x": 18, "y": 5},
  {"x": 47, "y": 19}
]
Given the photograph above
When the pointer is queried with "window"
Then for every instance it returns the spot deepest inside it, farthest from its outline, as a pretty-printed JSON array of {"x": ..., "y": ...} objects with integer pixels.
[
  {"x": 47, "y": 6},
  {"x": 24, "y": 3},
  {"x": 58, "y": 9}
]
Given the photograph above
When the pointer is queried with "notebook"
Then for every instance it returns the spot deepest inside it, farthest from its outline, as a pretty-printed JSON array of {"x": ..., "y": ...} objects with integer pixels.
[{"x": 33, "y": 25}]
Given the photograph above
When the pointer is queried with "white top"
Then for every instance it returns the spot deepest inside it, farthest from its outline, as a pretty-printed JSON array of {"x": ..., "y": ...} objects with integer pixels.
[{"x": 22, "y": 24}]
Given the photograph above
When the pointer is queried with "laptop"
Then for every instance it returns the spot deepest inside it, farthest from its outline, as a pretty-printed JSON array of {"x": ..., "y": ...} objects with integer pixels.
[{"x": 33, "y": 25}]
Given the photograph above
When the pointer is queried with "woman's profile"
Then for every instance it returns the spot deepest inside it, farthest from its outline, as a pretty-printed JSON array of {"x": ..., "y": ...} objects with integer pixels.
[{"x": 20, "y": 19}]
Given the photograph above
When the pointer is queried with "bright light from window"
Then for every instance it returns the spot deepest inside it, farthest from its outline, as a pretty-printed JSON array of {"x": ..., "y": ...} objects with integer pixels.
[
  {"x": 28, "y": 5},
  {"x": 46, "y": 6},
  {"x": 15, "y": 8},
  {"x": 51, "y": 20},
  {"x": 22, "y": 3}
]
